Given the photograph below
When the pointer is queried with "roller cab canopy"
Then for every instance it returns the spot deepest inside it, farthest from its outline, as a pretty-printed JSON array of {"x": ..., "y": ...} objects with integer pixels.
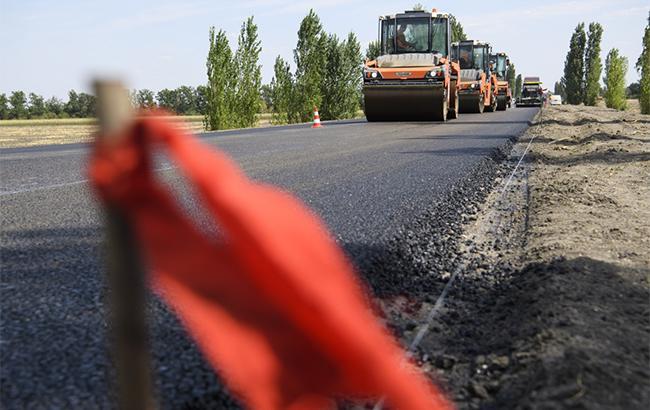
[
  {"x": 502, "y": 63},
  {"x": 472, "y": 55},
  {"x": 414, "y": 33}
]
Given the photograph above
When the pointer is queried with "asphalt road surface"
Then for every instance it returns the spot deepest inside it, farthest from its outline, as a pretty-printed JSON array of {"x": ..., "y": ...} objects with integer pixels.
[{"x": 366, "y": 180}]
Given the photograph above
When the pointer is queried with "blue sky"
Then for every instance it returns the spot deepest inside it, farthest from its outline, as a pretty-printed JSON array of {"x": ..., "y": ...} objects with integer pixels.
[{"x": 50, "y": 47}]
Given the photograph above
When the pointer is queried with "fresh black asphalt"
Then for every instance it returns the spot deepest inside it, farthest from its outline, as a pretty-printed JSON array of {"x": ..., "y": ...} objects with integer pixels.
[{"x": 366, "y": 180}]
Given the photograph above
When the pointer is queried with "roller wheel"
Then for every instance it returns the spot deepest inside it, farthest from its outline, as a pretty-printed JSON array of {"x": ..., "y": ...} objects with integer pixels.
[
  {"x": 493, "y": 104},
  {"x": 452, "y": 114},
  {"x": 481, "y": 105},
  {"x": 502, "y": 104},
  {"x": 441, "y": 109}
]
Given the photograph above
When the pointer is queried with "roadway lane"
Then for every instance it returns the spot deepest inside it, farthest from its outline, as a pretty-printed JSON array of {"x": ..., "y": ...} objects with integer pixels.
[{"x": 366, "y": 180}]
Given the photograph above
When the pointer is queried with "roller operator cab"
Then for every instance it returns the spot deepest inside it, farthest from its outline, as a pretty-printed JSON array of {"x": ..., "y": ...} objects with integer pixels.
[
  {"x": 502, "y": 68},
  {"x": 413, "y": 77},
  {"x": 478, "y": 82}
]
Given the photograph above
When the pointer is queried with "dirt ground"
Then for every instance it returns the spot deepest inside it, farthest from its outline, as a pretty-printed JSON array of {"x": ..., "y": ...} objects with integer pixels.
[{"x": 551, "y": 306}]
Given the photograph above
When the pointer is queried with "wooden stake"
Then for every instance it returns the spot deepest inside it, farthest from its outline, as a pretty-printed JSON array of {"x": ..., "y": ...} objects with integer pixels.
[{"x": 124, "y": 272}]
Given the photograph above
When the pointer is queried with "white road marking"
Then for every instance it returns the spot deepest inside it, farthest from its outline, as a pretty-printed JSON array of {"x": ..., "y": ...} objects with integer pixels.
[{"x": 63, "y": 184}]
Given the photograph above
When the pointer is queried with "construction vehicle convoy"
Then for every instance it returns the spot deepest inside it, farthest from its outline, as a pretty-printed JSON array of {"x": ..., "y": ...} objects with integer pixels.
[
  {"x": 504, "y": 93},
  {"x": 478, "y": 90},
  {"x": 532, "y": 93},
  {"x": 413, "y": 78},
  {"x": 420, "y": 75}
]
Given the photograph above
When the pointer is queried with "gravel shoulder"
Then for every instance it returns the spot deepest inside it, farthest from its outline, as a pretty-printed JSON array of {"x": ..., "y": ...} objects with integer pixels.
[{"x": 551, "y": 304}]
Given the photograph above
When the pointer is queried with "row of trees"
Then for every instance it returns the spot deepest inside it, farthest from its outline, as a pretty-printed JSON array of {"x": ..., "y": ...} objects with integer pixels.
[
  {"x": 327, "y": 76},
  {"x": 183, "y": 100},
  {"x": 583, "y": 69},
  {"x": 25, "y": 106}
]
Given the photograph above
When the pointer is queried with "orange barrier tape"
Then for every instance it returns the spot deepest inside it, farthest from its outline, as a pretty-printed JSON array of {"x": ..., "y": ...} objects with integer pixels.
[{"x": 273, "y": 304}]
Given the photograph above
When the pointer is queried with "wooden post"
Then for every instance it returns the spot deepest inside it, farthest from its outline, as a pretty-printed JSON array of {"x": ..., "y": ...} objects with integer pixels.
[{"x": 124, "y": 273}]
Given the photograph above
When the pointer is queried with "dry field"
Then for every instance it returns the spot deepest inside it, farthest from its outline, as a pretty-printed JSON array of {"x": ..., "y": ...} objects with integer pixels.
[{"x": 26, "y": 133}]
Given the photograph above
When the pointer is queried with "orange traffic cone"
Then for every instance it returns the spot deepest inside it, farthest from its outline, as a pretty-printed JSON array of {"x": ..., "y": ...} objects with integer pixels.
[{"x": 317, "y": 123}]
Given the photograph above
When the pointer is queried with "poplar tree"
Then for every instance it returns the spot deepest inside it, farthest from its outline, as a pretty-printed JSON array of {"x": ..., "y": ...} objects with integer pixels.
[
  {"x": 249, "y": 75},
  {"x": 558, "y": 89},
  {"x": 457, "y": 32},
  {"x": 373, "y": 51},
  {"x": 282, "y": 92},
  {"x": 353, "y": 72},
  {"x": 574, "y": 66},
  {"x": 643, "y": 68},
  {"x": 518, "y": 85},
  {"x": 340, "y": 89},
  {"x": 593, "y": 64},
  {"x": 220, "y": 82},
  {"x": 333, "y": 87},
  {"x": 310, "y": 66},
  {"x": 615, "y": 69}
]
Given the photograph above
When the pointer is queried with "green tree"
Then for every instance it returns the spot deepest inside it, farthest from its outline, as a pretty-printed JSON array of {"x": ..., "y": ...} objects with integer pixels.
[
  {"x": 201, "y": 99},
  {"x": 593, "y": 64},
  {"x": 221, "y": 81},
  {"x": 353, "y": 72},
  {"x": 185, "y": 103},
  {"x": 333, "y": 87},
  {"x": 558, "y": 89},
  {"x": 373, "y": 51},
  {"x": 310, "y": 63},
  {"x": 457, "y": 32},
  {"x": 53, "y": 107},
  {"x": 633, "y": 91},
  {"x": 249, "y": 75},
  {"x": 4, "y": 107},
  {"x": 574, "y": 66},
  {"x": 166, "y": 99},
  {"x": 145, "y": 99},
  {"x": 18, "y": 103},
  {"x": 87, "y": 104},
  {"x": 282, "y": 93},
  {"x": 72, "y": 107},
  {"x": 643, "y": 68},
  {"x": 615, "y": 69},
  {"x": 36, "y": 106},
  {"x": 266, "y": 96},
  {"x": 518, "y": 85},
  {"x": 418, "y": 7}
]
